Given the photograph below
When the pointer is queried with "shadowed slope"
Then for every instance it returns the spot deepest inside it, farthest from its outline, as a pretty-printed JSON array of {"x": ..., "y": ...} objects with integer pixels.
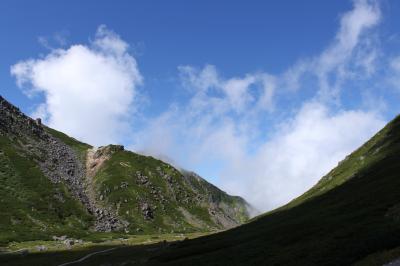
[
  {"x": 342, "y": 220},
  {"x": 352, "y": 212}
]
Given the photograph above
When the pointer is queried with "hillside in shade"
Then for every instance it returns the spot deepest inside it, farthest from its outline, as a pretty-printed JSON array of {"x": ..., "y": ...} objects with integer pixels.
[{"x": 352, "y": 215}]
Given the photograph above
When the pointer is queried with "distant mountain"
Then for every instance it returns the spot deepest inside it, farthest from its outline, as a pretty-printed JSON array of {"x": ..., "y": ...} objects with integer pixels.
[
  {"x": 52, "y": 184},
  {"x": 351, "y": 216}
]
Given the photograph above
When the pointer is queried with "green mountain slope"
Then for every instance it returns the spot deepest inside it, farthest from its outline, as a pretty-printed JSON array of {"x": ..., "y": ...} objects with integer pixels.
[
  {"x": 31, "y": 206},
  {"x": 153, "y": 196},
  {"x": 352, "y": 216},
  {"x": 52, "y": 185},
  {"x": 352, "y": 212}
]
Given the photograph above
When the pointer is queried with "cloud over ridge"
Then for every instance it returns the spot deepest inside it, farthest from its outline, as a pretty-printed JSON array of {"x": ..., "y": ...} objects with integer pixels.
[
  {"x": 88, "y": 89},
  {"x": 228, "y": 124},
  {"x": 267, "y": 137}
]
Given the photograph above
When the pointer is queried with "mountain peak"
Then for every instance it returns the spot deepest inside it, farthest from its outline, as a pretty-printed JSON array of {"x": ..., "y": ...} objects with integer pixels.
[{"x": 13, "y": 121}]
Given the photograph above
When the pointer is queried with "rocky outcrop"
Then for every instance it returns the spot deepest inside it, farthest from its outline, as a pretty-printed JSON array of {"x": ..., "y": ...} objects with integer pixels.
[
  {"x": 106, "y": 218},
  {"x": 225, "y": 210},
  {"x": 16, "y": 124},
  {"x": 57, "y": 161},
  {"x": 97, "y": 156},
  {"x": 147, "y": 211}
]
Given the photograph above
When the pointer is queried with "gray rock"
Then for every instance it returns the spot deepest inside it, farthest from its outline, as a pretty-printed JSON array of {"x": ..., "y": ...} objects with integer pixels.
[
  {"x": 58, "y": 162},
  {"x": 147, "y": 211},
  {"x": 69, "y": 242},
  {"x": 61, "y": 238},
  {"x": 41, "y": 248}
]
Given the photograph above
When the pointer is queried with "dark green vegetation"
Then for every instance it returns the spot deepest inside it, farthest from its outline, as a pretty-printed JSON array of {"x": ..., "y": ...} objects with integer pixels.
[
  {"x": 28, "y": 205},
  {"x": 52, "y": 185},
  {"x": 352, "y": 216},
  {"x": 235, "y": 206},
  {"x": 358, "y": 163},
  {"x": 139, "y": 247},
  {"x": 353, "y": 212},
  {"x": 154, "y": 197}
]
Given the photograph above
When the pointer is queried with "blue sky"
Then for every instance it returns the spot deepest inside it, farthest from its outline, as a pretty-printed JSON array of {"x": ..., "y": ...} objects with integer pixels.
[{"x": 260, "y": 97}]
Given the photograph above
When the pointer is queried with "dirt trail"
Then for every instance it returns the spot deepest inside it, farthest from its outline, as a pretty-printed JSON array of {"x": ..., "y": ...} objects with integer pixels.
[{"x": 87, "y": 256}]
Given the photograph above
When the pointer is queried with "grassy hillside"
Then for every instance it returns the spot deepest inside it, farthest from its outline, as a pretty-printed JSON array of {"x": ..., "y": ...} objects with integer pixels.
[
  {"x": 154, "y": 197},
  {"x": 31, "y": 206},
  {"x": 352, "y": 212},
  {"x": 52, "y": 185},
  {"x": 382, "y": 145},
  {"x": 235, "y": 206},
  {"x": 352, "y": 216}
]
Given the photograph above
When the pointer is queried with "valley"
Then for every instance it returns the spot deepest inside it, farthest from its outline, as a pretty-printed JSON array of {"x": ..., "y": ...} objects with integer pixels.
[{"x": 351, "y": 216}]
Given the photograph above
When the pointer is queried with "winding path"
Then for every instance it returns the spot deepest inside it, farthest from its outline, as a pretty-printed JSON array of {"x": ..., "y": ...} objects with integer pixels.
[{"x": 87, "y": 256}]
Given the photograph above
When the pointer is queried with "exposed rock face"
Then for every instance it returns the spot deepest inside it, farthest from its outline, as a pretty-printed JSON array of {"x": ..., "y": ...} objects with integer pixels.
[
  {"x": 14, "y": 123},
  {"x": 57, "y": 160},
  {"x": 60, "y": 164},
  {"x": 121, "y": 190},
  {"x": 97, "y": 156},
  {"x": 225, "y": 210},
  {"x": 106, "y": 219}
]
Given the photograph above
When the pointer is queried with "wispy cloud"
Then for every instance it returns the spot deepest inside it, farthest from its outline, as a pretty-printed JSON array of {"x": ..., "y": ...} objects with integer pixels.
[
  {"x": 224, "y": 124},
  {"x": 266, "y": 137},
  {"x": 353, "y": 50},
  {"x": 228, "y": 95}
]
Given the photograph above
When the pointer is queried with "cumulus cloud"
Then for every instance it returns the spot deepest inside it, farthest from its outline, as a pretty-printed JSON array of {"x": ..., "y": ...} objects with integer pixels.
[
  {"x": 88, "y": 89},
  {"x": 265, "y": 137},
  {"x": 268, "y": 152},
  {"x": 267, "y": 171},
  {"x": 299, "y": 153}
]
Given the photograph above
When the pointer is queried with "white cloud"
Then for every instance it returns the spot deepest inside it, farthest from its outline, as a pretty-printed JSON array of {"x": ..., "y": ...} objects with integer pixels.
[
  {"x": 88, "y": 89},
  {"x": 223, "y": 125},
  {"x": 299, "y": 153},
  {"x": 267, "y": 172},
  {"x": 225, "y": 95},
  {"x": 229, "y": 124}
]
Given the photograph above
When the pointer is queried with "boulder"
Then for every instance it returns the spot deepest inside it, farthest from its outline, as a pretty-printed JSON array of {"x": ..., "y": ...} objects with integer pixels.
[
  {"x": 147, "y": 211},
  {"x": 41, "y": 248}
]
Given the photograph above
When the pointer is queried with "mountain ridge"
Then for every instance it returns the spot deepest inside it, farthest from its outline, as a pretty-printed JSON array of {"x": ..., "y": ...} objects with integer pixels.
[
  {"x": 351, "y": 216},
  {"x": 115, "y": 189}
]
